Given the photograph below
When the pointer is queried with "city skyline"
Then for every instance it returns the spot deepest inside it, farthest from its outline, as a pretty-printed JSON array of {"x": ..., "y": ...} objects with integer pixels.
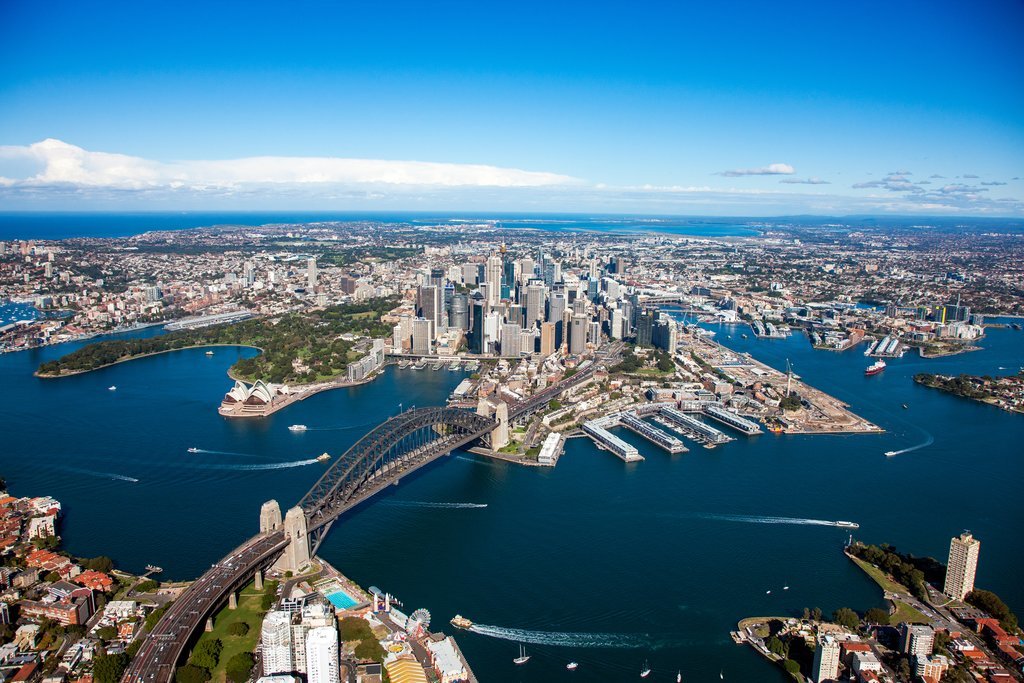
[{"x": 732, "y": 111}]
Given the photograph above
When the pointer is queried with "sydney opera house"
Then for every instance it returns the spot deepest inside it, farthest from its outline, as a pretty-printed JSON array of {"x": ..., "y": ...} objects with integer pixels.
[{"x": 257, "y": 400}]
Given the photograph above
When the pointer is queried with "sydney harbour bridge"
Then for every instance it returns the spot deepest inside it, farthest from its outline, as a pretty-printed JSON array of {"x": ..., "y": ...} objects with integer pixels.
[{"x": 393, "y": 449}]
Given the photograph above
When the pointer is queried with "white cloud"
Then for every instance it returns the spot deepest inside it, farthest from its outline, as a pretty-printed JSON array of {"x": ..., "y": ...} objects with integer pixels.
[
  {"x": 805, "y": 181},
  {"x": 770, "y": 169},
  {"x": 53, "y": 162}
]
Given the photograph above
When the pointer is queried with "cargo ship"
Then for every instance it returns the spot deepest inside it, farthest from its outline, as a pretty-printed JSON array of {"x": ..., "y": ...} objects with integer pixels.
[
  {"x": 459, "y": 621},
  {"x": 875, "y": 368}
]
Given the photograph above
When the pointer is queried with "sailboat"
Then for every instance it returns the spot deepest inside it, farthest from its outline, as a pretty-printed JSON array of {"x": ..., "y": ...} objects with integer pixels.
[
  {"x": 523, "y": 658},
  {"x": 679, "y": 677},
  {"x": 646, "y": 671},
  {"x": 721, "y": 675}
]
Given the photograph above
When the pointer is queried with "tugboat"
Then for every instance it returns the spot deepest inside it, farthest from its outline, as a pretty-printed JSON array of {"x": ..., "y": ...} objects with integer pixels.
[
  {"x": 459, "y": 621},
  {"x": 875, "y": 368}
]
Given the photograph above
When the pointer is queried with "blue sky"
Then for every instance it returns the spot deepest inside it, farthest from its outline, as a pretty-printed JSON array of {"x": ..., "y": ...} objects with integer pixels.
[{"x": 742, "y": 108}]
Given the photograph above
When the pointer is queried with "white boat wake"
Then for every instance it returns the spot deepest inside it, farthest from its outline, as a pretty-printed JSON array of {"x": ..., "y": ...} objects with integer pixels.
[
  {"x": 441, "y": 506},
  {"x": 755, "y": 519},
  {"x": 257, "y": 468},
  {"x": 563, "y": 639},
  {"x": 927, "y": 442},
  {"x": 209, "y": 452},
  {"x": 103, "y": 475}
]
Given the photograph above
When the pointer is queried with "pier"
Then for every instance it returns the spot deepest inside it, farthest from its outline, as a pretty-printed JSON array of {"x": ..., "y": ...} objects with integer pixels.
[
  {"x": 693, "y": 428},
  {"x": 717, "y": 412},
  {"x": 658, "y": 437},
  {"x": 598, "y": 431}
]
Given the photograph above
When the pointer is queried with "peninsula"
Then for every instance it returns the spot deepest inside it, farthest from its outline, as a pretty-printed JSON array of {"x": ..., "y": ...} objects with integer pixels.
[{"x": 1006, "y": 392}]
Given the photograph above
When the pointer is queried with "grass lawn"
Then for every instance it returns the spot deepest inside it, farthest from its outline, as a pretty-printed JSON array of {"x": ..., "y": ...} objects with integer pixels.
[
  {"x": 249, "y": 611},
  {"x": 904, "y": 612}
]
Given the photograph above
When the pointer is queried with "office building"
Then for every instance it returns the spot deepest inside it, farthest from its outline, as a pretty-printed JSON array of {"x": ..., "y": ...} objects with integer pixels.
[
  {"x": 458, "y": 312},
  {"x": 963, "y": 563},
  {"x": 493, "y": 273},
  {"x": 510, "y": 340},
  {"x": 428, "y": 305},
  {"x": 534, "y": 303},
  {"x": 276, "y": 643},
  {"x": 645, "y": 329},
  {"x": 578, "y": 335},
  {"x": 422, "y": 336},
  {"x": 322, "y": 655},
  {"x": 917, "y": 640},
  {"x": 826, "y": 660},
  {"x": 311, "y": 273},
  {"x": 547, "y": 339}
]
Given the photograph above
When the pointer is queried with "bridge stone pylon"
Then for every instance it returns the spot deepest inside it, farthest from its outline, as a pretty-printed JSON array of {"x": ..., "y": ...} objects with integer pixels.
[{"x": 296, "y": 556}]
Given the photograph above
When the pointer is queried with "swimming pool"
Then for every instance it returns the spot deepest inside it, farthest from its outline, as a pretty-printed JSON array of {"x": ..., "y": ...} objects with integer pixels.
[{"x": 341, "y": 600}]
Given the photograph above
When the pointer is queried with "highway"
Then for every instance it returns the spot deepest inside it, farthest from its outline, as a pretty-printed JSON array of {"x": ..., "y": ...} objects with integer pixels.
[{"x": 162, "y": 648}]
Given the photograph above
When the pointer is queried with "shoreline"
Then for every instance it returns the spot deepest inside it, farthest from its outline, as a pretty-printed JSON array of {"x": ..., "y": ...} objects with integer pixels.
[{"x": 72, "y": 373}]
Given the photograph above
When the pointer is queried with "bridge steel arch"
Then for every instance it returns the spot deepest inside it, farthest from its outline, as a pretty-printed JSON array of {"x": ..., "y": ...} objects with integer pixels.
[{"x": 394, "y": 448}]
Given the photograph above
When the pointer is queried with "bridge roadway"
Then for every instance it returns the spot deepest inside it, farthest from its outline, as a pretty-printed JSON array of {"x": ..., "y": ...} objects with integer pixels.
[{"x": 163, "y": 647}]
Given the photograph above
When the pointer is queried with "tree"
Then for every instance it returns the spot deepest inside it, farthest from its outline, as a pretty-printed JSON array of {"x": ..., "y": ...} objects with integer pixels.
[
  {"x": 100, "y": 564},
  {"x": 147, "y": 586},
  {"x": 369, "y": 649},
  {"x": 354, "y": 628},
  {"x": 106, "y": 633},
  {"x": 846, "y": 617},
  {"x": 816, "y": 614},
  {"x": 207, "y": 653},
  {"x": 777, "y": 646},
  {"x": 108, "y": 668},
  {"x": 153, "y": 617},
  {"x": 52, "y": 577},
  {"x": 877, "y": 615},
  {"x": 903, "y": 669},
  {"x": 554, "y": 404},
  {"x": 190, "y": 673},
  {"x": 791, "y": 666},
  {"x": 990, "y": 602},
  {"x": 239, "y": 628},
  {"x": 239, "y": 667}
]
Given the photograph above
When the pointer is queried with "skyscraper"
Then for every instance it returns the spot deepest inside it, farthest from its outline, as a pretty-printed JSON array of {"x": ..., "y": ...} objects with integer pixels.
[
  {"x": 311, "y": 272},
  {"x": 458, "y": 312},
  {"x": 276, "y": 642},
  {"x": 322, "y": 655},
  {"x": 826, "y": 660},
  {"x": 428, "y": 305},
  {"x": 917, "y": 640},
  {"x": 510, "y": 340},
  {"x": 962, "y": 565},
  {"x": 547, "y": 339},
  {"x": 578, "y": 335},
  {"x": 492, "y": 276},
  {"x": 534, "y": 303},
  {"x": 422, "y": 336},
  {"x": 645, "y": 329}
]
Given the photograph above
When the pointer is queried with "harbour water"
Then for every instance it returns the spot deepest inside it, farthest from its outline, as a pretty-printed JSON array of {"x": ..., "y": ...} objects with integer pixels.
[{"x": 596, "y": 561}]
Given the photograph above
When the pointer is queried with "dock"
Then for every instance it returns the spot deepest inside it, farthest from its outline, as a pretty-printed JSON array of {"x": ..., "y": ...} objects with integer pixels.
[
  {"x": 727, "y": 417},
  {"x": 598, "y": 431},
  {"x": 693, "y": 428},
  {"x": 658, "y": 437}
]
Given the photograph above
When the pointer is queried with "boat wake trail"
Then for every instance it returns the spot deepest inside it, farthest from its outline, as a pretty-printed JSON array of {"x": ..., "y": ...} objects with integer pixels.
[
  {"x": 209, "y": 452},
  {"x": 564, "y": 639},
  {"x": 440, "y": 506},
  {"x": 261, "y": 467},
  {"x": 927, "y": 442},
  {"x": 104, "y": 475},
  {"x": 755, "y": 519}
]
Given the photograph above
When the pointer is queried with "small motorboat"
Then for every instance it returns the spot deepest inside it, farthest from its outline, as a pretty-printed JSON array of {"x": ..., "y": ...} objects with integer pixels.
[
  {"x": 572, "y": 666},
  {"x": 646, "y": 671},
  {"x": 323, "y": 457},
  {"x": 112, "y": 387},
  {"x": 193, "y": 450},
  {"x": 209, "y": 353},
  {"x": 297, "y": 428},
  {"x": 905, "y": 406},
  {"x": 785, "y": 588},
  {"x": 767, "y": 592}
]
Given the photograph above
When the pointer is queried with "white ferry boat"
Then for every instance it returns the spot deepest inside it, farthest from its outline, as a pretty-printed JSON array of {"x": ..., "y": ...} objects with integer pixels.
[{"x": 847, "y": 525}]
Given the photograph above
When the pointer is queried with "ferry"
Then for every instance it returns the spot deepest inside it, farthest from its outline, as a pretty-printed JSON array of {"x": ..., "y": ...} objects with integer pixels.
[
  {"x": 459, "y": 621},
  {"x": 193, "y": 450},
  {"x": 323, "y": 457},
  {"x": 297, "y": 428},
  {"x": 875, "y": 368},
  {"x": 848, "y": 525}
]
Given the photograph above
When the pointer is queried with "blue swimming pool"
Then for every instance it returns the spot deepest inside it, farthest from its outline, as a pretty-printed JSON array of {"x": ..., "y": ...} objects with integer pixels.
[{"x": 341, "y": 600}]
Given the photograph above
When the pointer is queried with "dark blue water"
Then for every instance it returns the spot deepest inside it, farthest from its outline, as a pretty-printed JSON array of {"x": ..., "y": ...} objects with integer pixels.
[
  {"x": 28, "y": 225},
  {"x": 655, "y": 560},
  {"x": 11, "y": 311}
]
